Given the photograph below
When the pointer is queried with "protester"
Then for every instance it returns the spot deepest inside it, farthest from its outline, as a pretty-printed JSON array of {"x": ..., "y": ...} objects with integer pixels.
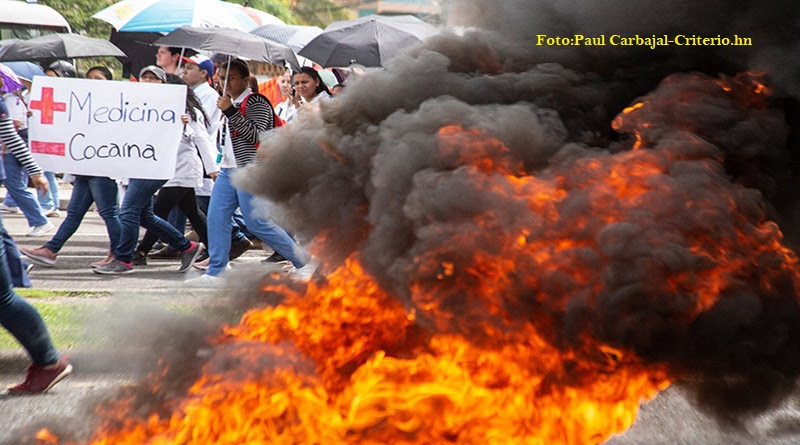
[
  {"x": 197, "y": 73},
  {"x": 189, "y": 168},
  {"x": 137, "y": 209},
  {"x": 247, "y": 114},
  {"x": 167, "y": 58},
  {"x": 285, "y": 110},
  {"x": 16, "y": 315},
  {"x": 309, "y": 87},
  {"x": 86, "y": 190},
  {"x": 16, "y": 177}
]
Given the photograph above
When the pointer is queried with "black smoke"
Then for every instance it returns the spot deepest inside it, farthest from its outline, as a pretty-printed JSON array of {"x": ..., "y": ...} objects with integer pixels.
[{"x": 369, "y": 174}]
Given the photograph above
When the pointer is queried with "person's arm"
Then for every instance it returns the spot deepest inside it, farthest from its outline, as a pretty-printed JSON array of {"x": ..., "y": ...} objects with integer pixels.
[
  {"x": 259, "y": 118},
  {"x": 16, "y": 146},
  {"x": 207, "y": 150}
]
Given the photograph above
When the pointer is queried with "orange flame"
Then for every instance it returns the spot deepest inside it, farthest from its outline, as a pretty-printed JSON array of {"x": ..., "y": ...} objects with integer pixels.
[{"x": 454, "y": 354}]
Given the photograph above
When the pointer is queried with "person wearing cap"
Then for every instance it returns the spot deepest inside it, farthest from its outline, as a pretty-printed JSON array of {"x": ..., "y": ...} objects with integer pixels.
[
  {"x": 197, "y": 73},
  {"x": 137, "y": 210}
]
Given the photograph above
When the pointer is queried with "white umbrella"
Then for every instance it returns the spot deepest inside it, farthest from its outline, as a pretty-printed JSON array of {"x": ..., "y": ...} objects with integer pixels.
[{"x": 168, "y": 15}]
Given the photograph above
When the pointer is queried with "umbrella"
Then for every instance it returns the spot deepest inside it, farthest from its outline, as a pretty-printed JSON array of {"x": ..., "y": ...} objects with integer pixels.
[
  {"x": 25, "y": 70},
  {"x": 230, "y": 41},
  {"x": 168, "y": 15},
  {"x": 294, "y": 36},
  {"x": 260, "y": 17},
  {"x": 368, "y": 41},
  {"x": 57, "y": 46},
  {"x": 11, "y": 82}
]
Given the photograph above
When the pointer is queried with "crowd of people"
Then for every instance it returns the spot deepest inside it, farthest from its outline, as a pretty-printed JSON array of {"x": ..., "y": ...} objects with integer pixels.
[{"x": 224, "y": 118}]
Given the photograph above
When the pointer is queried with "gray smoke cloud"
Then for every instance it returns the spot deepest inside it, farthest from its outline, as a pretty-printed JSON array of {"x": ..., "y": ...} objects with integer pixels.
[{"x": 396, "y": 169}]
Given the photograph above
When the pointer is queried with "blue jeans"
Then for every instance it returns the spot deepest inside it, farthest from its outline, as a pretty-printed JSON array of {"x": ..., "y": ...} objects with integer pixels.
[
  {"x": 137, "y": 209},
  {"x": 225, "y": 198},
  {"x": 49, "y": 200},
  {"x": 16, "y": 183},
  {"x": 23, "y": 320},
  {"x": 85, "y": 191},
  {"x": 16, "y": 265}
]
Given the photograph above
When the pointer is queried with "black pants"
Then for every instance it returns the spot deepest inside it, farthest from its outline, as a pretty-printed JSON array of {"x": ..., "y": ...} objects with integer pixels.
[{"x": 184, "y": 198}]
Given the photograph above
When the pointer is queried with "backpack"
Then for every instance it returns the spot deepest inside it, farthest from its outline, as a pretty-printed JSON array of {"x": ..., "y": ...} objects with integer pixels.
[{"x": 277, "y": 121}]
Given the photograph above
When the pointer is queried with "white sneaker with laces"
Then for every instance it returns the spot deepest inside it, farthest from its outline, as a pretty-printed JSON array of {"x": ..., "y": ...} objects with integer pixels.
[
  {"x": 41, "y": 230},
  {"x": 53, "y": 213},
  {"x": 304, "y": 273},
  {"x": 204, "y": 280},
  {"x": 7, "y": 209}
]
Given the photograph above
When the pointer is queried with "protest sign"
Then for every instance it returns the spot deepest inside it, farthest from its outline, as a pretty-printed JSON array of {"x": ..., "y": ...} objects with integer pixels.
[{"x": 97, "y": 128}]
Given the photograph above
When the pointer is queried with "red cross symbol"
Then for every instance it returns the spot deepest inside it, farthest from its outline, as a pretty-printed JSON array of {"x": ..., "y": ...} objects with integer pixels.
[{"x": 47, "y": 106}]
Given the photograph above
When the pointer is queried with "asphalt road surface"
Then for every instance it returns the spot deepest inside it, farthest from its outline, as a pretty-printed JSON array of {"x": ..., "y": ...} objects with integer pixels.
[{"x": 133, "y": 313}]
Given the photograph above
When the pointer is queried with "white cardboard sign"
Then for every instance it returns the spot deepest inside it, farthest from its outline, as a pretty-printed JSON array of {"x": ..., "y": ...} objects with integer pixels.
[{"x": 106, "y": 128}]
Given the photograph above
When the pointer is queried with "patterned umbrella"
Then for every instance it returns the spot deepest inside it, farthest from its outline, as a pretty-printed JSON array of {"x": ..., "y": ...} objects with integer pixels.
[
  {"x": 293, "y": 36},
  {"x": 11, "y": 82},
  {"x": 168, "y": 15}
]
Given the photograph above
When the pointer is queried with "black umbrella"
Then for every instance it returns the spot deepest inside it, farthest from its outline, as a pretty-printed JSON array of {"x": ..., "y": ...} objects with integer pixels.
[
  {"x": 232, "y": 42},
  {"x": 369, "y": 41},
  {"x": 57, "y": 46}
]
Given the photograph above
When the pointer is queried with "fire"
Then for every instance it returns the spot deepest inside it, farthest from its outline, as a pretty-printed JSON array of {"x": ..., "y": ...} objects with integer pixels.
[{"x": 518, "y": 324}]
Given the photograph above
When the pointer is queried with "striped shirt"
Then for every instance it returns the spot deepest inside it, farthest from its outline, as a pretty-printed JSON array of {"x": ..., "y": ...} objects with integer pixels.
[
  {"x": 15, "y": 144},
  {"x": 245, "y": 129}
]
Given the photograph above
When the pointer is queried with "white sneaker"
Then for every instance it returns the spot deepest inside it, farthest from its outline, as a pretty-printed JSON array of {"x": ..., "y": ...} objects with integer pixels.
[
  {"x": 41, "y": 230},
  {"x": 204, "y": 281},
  {"x": 53, "y": 213},
  {"x": 7, "y": 209},
  {"x": 304, "y": 273}
]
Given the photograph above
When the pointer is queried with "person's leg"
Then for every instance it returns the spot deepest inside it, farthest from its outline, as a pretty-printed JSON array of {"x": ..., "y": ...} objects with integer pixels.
[
  {"x": 79, "y": 204},
  {"x": 224, "y": 202},
  {"x": 104, "y": 193},
  {"x": 23, "y": 321},
  {"x": 162, "y": 229},
  {"x": 177, "y": 219},
  {"x": 49, "y": 200},
  {"x": 16, "y": 266},
  {"x": 241, "y": 223},
  {"x": 271, "y": 234},
  {"x": 16, "y": 183},
  {"x": 9, "y": 201},
  {"x": 138, "y": 197},
  {"x": 164, "y": 202},
  {"x": 187, "y": 203}
]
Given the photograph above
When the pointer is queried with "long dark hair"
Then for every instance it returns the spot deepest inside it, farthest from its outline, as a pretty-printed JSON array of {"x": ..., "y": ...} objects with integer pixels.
[
  {"x": 192, "y": 102},
  {"x": 311, "y": 72}
]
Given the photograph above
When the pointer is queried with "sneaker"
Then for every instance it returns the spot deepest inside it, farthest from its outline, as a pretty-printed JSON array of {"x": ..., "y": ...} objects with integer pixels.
[
  {"x": 53, "y": 213},
  {"x": 40, "y": 255},
  {"x": 41, "y": 378},
  {"x": 238, "y": 248},
  {"x": 204, "y": 281},
  {"x": 29, "y": 268},
  {"x": 104, "y": 261},
  {"x": 139, "y": 258},
  {"x": 189, "y": 256},
  {"x": 41, "y": 230},
  {"x": 274, "y": 258},
  {"x": 167, "y": 253},
  {"x": 115, "y": 267},
  {"x": 201, "y": 265},
  {"x": 304, "y": 273},
  {"x": 8, "y": 209}
]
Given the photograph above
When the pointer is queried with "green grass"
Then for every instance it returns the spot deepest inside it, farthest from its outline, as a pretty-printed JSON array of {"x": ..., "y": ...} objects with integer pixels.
[{"x": 68, "y": 314}]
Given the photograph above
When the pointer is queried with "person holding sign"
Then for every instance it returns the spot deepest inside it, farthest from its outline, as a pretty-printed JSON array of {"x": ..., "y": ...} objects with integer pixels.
[
  {"x": 180, "y": 190},
  {"x": 137, "y": 209},
  {"x": 86, "y": 190}
]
